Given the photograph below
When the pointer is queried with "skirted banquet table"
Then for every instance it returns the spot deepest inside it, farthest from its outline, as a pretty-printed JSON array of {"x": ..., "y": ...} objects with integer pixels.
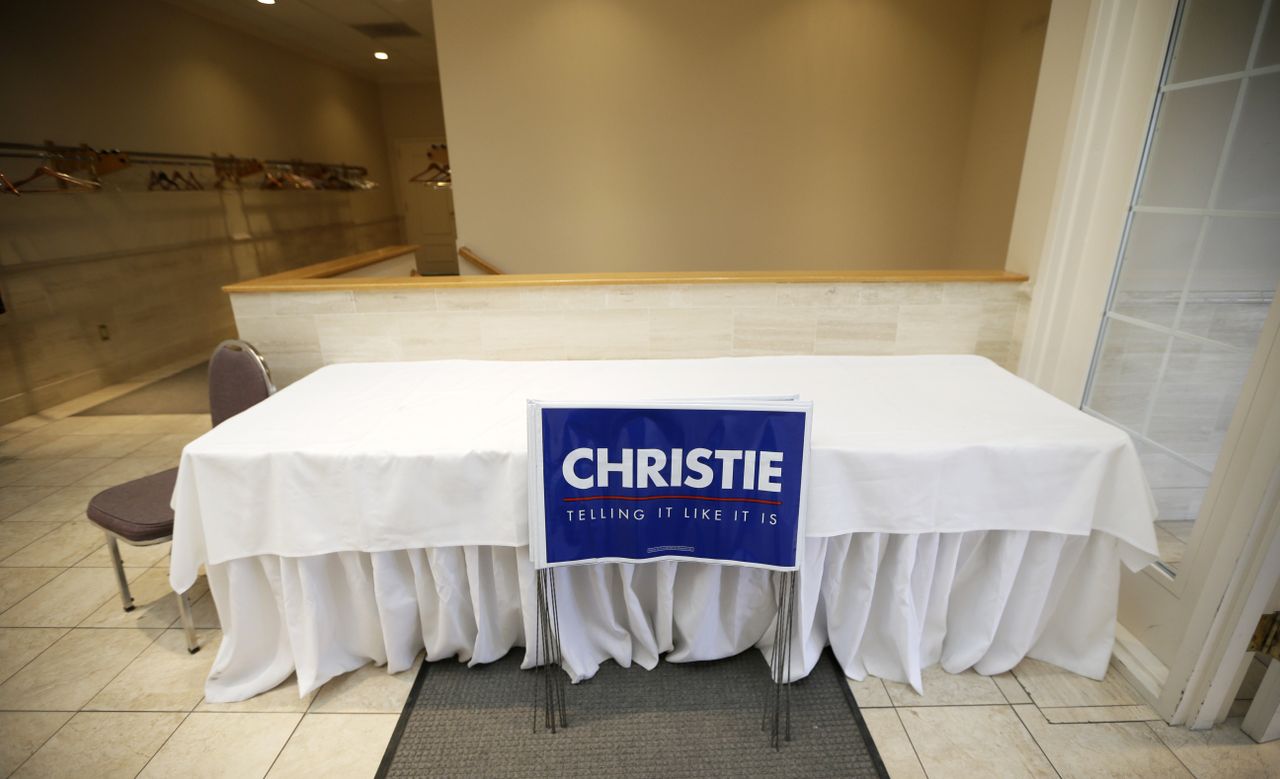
[{"x": 956, "y": 515}]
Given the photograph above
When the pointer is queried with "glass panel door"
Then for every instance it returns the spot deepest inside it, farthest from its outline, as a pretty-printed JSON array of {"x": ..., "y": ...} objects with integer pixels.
[{"x": 1200, "y": 261}]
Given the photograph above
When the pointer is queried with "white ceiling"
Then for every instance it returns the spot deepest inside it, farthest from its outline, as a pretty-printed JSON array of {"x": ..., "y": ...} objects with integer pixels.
[{"x": 322, "y": 29}]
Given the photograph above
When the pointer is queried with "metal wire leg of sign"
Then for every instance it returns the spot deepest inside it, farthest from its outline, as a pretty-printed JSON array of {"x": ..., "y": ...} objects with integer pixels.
[
  {"x": 549, "y": 684},
  {"x": 777, "y": 702}
]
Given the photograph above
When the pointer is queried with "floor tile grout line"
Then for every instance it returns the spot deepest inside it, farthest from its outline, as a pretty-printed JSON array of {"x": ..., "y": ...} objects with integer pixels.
[
  {"x": 1021, "y": 686},
  {"x": 1100, "y": 722},
  {"x": 23, "y": 508},
  {"x": 285, "y": 745},
  {"x": 160, "y": 632},
  {"x": 1000, "y": 689},
  {"x": 129, "y": 454},
  {"x": 1035, "y": 740},
  {"x": 27, "y": 759},
  {"x": 65, "y": 570},
  {"x": 108, "y": 711},
  {"x": 1172, "y": 751},
  {"x": 18, "y": 551},
  {"x": 129, "y": 711},
  {"x": 33, "y": 592},
  {"x": 160, "y": 749},
  {"x": 78, "y": 481},
  {"x": 34, "y": 521},
  {"x": 75, "y": 563},
  {"x": 65, "y": 632},
  {"x": 78, "y": 453},
  {"x": 850, "y": 681},
  {"x": 129, "y": 662},
  {"x": 1093, "y": 706},
  {"x": 95, "y": 694},
  {"x": 22, "y": 600},
  {"x": 81, "y": 626},
  {"x": 915, "y": 752},
  {"x": 959, "y": 705}
]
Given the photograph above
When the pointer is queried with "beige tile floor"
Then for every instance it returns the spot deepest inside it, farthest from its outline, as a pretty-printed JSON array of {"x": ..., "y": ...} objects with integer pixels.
[
  {"x": 1038, "y": 720},
  {"x": 85, "y": 687}
]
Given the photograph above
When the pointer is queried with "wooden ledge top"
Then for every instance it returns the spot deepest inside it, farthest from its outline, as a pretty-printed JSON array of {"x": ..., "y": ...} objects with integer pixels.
[
  {"x": 314, "y": 278},
  {"x": 322, "y": 270}
]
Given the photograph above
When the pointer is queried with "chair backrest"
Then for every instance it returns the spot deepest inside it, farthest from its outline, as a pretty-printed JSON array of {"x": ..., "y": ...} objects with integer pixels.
[{"x": 238, "y": 378}]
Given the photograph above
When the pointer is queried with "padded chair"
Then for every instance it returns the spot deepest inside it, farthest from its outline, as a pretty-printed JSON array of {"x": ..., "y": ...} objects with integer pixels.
[{"x": 138, "y": 512}]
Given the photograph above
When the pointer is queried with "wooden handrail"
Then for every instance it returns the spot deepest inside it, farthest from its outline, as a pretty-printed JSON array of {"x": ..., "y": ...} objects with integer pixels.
[
  {"x": 326, "y": 276},
  {"x": 322, "y": 270},
  {"x": 317, "y": 284},
  {"x": 473, "y": 258}
]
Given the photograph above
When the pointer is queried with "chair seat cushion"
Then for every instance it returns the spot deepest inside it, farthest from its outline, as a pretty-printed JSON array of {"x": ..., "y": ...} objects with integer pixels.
[{"x": 138, "y": 510}]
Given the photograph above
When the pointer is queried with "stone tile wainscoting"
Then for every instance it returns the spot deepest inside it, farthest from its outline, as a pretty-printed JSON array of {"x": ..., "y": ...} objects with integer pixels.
[
  {"x": 301, "y": 331},
  {"x": 102, "y": 287}
]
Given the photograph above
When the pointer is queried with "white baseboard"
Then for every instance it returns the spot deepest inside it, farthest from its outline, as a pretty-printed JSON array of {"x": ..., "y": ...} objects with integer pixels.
[{"x": 1140, "y": 668}]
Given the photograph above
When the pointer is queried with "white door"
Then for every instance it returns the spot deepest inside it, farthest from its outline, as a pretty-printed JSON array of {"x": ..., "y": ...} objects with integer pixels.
[
  {"x": 428, "y": 212},
  {"x": 1189, "y": 336}
]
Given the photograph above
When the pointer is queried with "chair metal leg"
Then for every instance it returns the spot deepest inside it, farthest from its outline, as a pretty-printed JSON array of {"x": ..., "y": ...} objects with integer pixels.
[
  {"x": 188, "y": 624},
  {"x": 126, "y": 598}
]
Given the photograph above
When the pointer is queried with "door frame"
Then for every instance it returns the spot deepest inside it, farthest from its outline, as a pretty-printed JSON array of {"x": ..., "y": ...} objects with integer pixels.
[
  {"x": 1121, "y": 59},
  {"x": 1242, "y": 508},
  {"x": 1122, "y": 53}
]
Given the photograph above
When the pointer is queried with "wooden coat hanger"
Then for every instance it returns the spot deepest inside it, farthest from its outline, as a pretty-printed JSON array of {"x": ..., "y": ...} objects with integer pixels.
[
  {"x": 160, "y": 180},
  {"x": 186, "y": 181},
  {"x": 430, "y": 174},
  {"x": 109, "y": 162},
  {"x": 437, "y": 172},
  {"x": 297, "y": 180},
  {"x": 64, "y": 179},
  {"x": 7, "y": 186},
  {"x": 230, "y": 170},
  {"x": 85, "y": 157}
]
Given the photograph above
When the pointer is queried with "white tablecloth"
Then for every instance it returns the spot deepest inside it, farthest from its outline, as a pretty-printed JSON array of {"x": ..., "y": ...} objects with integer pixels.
[{"x": 370, "y": 510}]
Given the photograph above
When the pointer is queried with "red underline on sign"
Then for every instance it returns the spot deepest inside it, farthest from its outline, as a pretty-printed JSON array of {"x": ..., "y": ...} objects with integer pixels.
[{"x": 675, "y": 497}]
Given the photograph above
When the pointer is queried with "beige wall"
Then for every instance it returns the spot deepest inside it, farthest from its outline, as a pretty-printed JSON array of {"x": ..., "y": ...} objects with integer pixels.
[
  {"x": 149, "y": 265},
  {"x": 146, "y": 75},
  {"x": 1012, "y": 40},
  {"x": 619, "y": 135},
  {"x": 1055, "y": 94},
  {"x": 412, "y": 110}
]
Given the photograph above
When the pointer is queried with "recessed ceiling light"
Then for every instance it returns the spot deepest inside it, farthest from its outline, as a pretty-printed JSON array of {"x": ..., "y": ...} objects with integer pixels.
[
  {"x": 381, "y": 55},
  {"x": 267, "y": 2}
]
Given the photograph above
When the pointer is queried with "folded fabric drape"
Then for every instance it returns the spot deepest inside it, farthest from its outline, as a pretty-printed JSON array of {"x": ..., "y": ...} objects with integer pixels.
[
  {"x": 389, "y": 456},
  {"x": 888, "y": 604},
  {"x": 955, "y": 514}
]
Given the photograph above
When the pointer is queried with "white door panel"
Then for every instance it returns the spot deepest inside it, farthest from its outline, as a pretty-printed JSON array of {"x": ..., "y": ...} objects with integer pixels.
[{"x": 428, "y": 212}]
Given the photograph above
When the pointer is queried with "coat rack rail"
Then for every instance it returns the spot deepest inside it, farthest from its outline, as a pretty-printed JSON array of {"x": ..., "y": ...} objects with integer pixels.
[{"x": 80, "y": 168}]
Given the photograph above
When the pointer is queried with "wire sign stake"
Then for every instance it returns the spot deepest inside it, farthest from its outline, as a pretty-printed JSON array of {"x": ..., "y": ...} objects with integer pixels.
[
  {"x": 718, "y": 482},
  {"x": 548, "y": 691},
  {"x": 777, "y": 699}
]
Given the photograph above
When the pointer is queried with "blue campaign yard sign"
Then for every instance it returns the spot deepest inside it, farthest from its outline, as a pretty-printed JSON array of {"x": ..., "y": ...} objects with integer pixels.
[{"x": 716, "y": 482}]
